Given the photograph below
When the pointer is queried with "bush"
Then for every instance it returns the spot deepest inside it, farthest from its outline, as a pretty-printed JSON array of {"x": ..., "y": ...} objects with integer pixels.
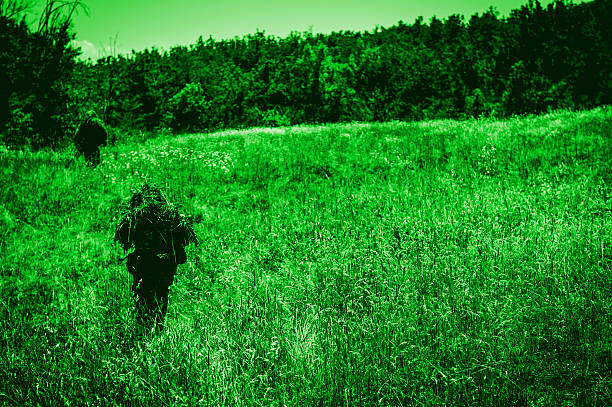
[
  {"x": 35, "y": 67},
  {"x": 274, "y": 118},
  {"x": 19, "y": 127},
  {"x": 187, "y": 110},
  {"x": 533, "y": 93}
]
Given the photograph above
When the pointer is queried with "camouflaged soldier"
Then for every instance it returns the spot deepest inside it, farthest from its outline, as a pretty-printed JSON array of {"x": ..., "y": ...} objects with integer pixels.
[
  {"x": 158, "y": 235},
  {"x": 153, "y": 266},
  {"x": 90, "y": 136}
]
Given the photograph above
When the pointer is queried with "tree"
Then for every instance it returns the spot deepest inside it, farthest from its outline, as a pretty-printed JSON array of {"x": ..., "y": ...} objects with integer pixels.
[
  {"x": 187, "y": 109},
  {"x": 36, "y": 65}
]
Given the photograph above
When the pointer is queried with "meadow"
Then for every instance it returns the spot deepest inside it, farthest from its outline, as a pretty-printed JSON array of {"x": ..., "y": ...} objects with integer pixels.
[{"x": 406, "y": 264}]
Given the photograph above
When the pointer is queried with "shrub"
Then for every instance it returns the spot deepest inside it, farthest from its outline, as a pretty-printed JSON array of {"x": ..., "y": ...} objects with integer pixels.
[
  {"x": 187, "y": 110},
  {"x": 274, "y": 118}
]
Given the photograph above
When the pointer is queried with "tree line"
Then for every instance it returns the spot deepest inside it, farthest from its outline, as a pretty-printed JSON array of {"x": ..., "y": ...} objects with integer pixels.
[{"x": 535, "y": 59}]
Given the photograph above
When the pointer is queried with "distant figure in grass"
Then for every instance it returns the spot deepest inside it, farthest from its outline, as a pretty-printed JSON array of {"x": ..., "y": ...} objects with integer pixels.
[
  {"x": 90, "y": 136},
  {"x": 157, "y": 234}
]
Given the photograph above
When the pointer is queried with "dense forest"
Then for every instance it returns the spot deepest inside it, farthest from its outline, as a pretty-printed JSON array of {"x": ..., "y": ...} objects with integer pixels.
[{"x": 535, "y": 59}]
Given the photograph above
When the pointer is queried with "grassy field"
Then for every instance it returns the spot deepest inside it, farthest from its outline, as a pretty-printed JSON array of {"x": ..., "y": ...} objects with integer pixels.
[{"x": 432, "y": 263}]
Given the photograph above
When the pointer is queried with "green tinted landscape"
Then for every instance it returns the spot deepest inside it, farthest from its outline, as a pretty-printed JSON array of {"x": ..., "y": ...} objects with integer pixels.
[{"x": 425, "y": 263}]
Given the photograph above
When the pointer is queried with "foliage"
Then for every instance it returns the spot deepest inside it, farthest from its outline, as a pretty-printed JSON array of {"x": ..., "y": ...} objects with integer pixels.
[
  {"x": 426, "y": 263},
  {"x": 35, "y": 66},
  {"x": 534, "y": 60},
  {"x": 187, "y": 110}
]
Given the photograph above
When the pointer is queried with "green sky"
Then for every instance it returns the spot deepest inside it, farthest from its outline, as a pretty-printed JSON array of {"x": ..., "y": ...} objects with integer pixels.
[{"x": 139, "y": 24}]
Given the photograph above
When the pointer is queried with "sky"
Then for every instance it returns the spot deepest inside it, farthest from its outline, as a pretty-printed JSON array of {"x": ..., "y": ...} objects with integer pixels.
[{"x": 140, "y": 24}]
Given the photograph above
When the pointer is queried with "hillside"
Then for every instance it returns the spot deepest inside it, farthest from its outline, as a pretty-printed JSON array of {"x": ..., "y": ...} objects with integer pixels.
[{"x": 437, "y": 263}]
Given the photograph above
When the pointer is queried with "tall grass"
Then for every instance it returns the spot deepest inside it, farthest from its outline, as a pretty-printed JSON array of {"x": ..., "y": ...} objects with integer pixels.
[{"x": 432, "y": 263}]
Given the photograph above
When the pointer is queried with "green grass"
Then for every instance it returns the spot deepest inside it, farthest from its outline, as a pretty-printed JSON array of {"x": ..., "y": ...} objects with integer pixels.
[{"x": 433, "y": 263}]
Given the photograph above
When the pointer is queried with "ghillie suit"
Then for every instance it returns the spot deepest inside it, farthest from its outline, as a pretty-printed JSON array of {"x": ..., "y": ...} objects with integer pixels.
[
  {"x": 157, "y": 233},
  {"x": 90, "y": 136}
]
